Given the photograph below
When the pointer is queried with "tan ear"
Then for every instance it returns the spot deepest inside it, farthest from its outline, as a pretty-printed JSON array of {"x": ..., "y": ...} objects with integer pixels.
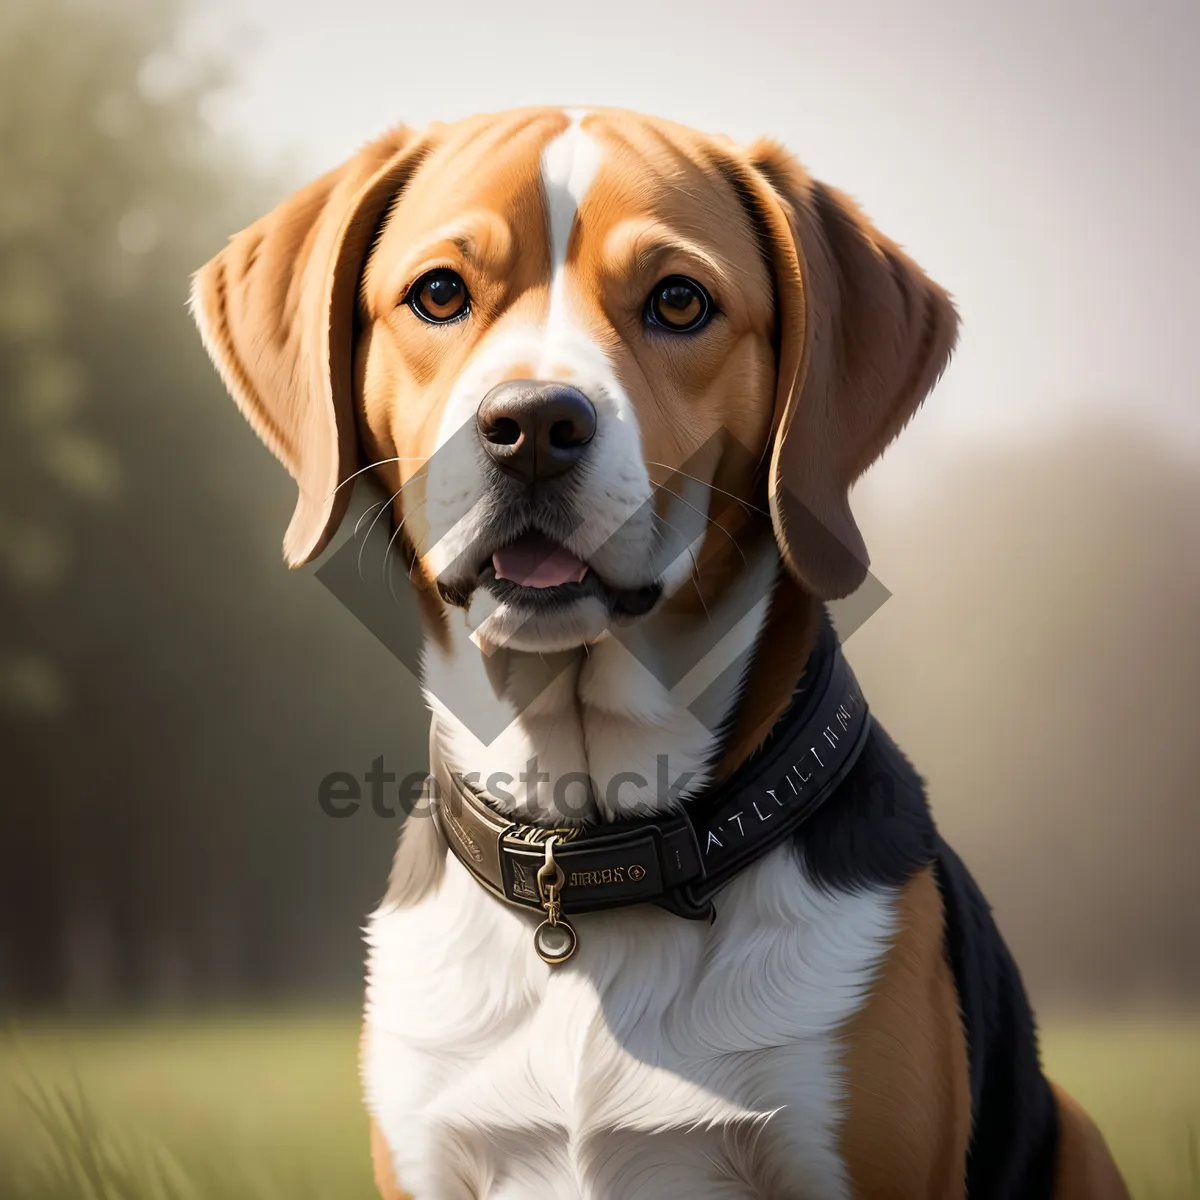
[
  {"x": 276, "y": 310},
  {"x": 863, "y": 336}
]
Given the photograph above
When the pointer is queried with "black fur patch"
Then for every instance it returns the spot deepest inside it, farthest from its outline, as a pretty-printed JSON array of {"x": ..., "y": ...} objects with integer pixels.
[
  {"x": 875, "y": 830},
  {"x": 1014, "y": 1117}
]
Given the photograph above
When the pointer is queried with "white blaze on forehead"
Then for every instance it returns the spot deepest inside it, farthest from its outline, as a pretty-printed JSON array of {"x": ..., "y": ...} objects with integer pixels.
[{"x": 569, "y": 166}]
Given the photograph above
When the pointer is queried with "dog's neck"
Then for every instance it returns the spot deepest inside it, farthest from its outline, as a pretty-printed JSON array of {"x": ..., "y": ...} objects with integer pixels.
[{"x": 633, "y": 724}]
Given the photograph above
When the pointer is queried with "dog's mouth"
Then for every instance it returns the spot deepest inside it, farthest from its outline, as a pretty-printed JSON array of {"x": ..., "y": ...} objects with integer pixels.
[{"x": 540, "y": 574}]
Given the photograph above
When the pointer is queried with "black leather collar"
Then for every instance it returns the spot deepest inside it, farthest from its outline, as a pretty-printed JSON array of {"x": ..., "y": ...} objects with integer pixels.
[{"x": 679, "y": 860}]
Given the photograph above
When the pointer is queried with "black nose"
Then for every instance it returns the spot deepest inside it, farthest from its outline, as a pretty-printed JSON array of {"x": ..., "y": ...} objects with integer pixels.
[{"x": 535, "y": 431}]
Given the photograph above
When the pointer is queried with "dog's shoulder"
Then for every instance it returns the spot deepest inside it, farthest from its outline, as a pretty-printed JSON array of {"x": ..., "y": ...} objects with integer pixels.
[
  {"x": 945, "y": 1047},
  {"x": 908, "y": 1100},
  {"x": 904, "y": 1052}
]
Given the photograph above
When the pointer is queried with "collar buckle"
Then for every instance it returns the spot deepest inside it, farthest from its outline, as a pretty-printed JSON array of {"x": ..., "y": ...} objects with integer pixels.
[{"x": 554, "y": 940}]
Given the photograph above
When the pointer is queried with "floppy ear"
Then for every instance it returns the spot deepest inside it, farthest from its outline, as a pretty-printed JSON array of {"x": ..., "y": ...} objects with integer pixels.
[
  {"x": 276, "y": 311},
  {"x": 863, "y": 336}
]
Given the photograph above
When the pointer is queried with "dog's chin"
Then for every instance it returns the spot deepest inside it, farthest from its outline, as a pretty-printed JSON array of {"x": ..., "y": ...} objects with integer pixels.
[{"x": 541, "y": 629}]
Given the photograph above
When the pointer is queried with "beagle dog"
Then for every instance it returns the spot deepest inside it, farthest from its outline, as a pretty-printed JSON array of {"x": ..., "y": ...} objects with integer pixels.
[{"x": 672, "y": 919}]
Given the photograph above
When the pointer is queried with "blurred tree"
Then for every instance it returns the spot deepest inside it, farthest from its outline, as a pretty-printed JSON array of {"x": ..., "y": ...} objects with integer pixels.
[
  {"x": 82, "y": 213},
  {"x": 111, "y": 185},
  {"x": 160, "y": 833}
]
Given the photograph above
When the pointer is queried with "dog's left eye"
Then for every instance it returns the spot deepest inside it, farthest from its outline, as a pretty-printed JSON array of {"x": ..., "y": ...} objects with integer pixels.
[
  {"x": 439, "y": 296},
  {"x": 678, "y": 304}
]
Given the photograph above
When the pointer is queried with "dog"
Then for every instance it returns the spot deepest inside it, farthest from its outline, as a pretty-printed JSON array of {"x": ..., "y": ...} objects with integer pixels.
[{"x": 680, "y": 923}]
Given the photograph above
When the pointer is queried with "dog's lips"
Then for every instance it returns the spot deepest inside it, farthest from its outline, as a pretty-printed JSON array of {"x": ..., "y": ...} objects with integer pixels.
[
  {"x": 534, "y": 561},
  {"x": 536, "y": 572}
]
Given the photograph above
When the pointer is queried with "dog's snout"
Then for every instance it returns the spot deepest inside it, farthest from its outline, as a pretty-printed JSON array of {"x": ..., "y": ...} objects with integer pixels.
[{"x": 535, "y": 431}]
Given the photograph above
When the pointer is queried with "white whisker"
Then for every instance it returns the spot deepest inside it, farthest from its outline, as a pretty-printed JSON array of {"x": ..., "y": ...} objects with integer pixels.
[
  {"x": 659, "y": 487},
  {"x": 363, "y": 470},
  {"x": 387, "y": 554},
  {"x": 711, "y": 486},
  {"x": 695, "y": 565},
  {"x": 382, "y": 504},
  {"x": 366, "y": 513},
  {"x": 371, "y": 528}
]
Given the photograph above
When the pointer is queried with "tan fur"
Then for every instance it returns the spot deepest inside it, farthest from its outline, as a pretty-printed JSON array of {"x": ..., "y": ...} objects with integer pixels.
[
  {"x": 788, "y": 636},
  {"x": 864, "y": 335},
  {"x": 276, "y": 308},
  {"x": 381, "y": 1156},
  {"x": 909, "y": 1116},
  {"x": 1085, "y": 1168},
  {"x": 381, "y": 1162}
]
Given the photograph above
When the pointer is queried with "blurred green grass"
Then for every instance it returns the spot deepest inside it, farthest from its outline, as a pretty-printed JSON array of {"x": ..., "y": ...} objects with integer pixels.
[
  {"x": 238, "y": 1107},
  {"x": 266, "y": 1106}
]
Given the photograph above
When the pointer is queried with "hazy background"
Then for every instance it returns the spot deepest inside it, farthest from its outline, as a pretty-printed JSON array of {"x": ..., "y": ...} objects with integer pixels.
[{"x": 170, "y": 696}]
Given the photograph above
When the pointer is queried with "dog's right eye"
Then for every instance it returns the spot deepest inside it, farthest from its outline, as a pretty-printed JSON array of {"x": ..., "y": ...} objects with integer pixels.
[
  {"x": 439, "y": 297},
  {"x": 679, "y": 305}
]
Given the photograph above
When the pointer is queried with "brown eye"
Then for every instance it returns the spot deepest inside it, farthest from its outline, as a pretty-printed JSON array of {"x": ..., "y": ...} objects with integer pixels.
[
  {"x": 439, "y": 296},
  {"x": 679, "y": 304}
]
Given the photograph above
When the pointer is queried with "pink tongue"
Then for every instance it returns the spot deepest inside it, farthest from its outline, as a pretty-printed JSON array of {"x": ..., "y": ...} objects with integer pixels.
[{"x": 537, "y": 562}]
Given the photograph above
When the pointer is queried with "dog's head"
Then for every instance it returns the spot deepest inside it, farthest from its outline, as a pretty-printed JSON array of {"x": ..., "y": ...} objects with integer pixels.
[{"x": 564, "y": 340}]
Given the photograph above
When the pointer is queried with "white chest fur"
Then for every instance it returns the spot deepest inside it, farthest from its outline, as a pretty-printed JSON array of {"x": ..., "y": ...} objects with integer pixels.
[{"x": 669, "y": 1058}]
